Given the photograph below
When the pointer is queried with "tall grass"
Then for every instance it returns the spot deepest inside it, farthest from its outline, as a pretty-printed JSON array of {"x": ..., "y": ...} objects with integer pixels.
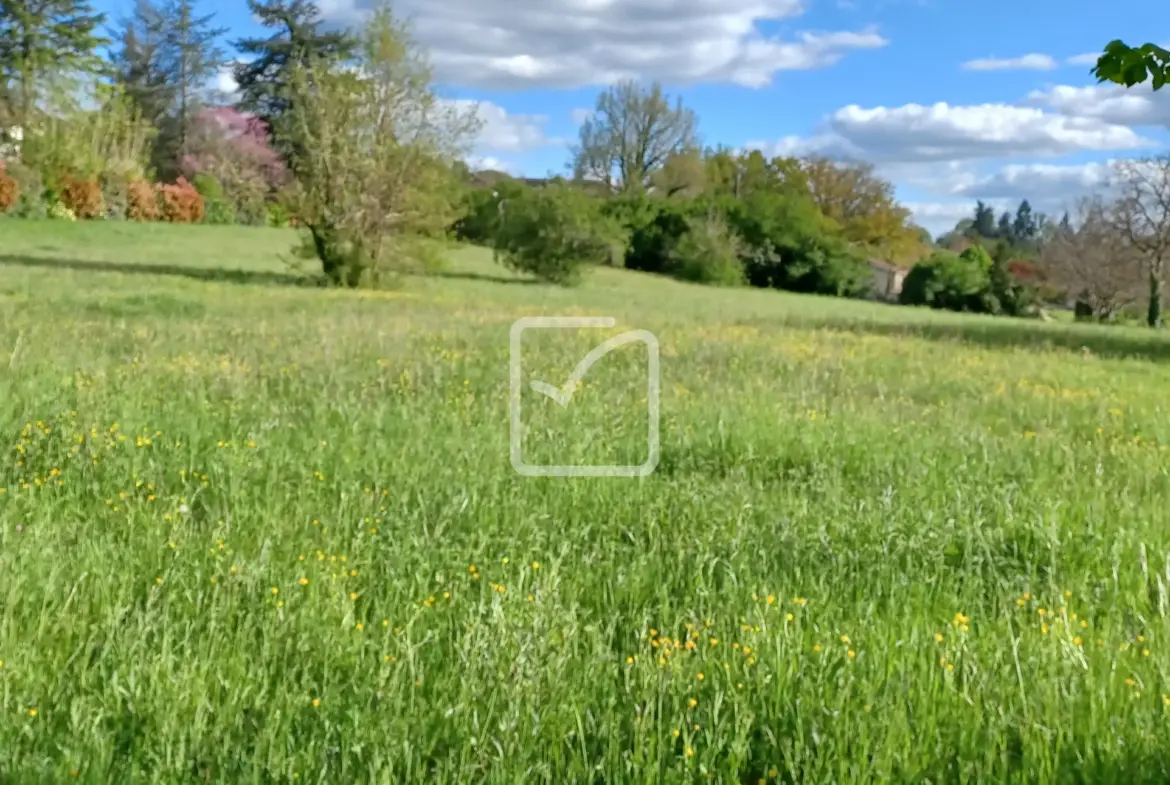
[{"x": 268, "y": 534}]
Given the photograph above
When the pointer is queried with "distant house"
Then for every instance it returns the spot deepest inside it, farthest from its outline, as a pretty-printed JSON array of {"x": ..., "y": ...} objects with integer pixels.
[{"x": 887, "y": 279}]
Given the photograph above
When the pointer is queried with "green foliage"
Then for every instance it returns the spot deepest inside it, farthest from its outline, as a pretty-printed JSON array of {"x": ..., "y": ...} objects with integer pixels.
[
  {"x": 479, "y": 211},
  {"x": 265, "y": 74},
  {"x": 555, "y": 232},
  {"x": 278, "y": 216},
  {"x": 708, "y": 252},
  {"x": 366, "y": 193},
  {"x": 653, "y": 228},
  {"x": 959, "y": 282},
  {"x": 39, "y": 38},
  {"x": 217, "y": 209},
  {"x": 791, "y": 246},
  {"x": 115, "y": 196},
  {"x": 1131, "y": 65}
]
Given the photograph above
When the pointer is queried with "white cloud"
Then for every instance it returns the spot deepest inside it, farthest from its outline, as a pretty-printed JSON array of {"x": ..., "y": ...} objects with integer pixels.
[
  {"x": 580, "y": 115},
  {"x": 1037, "y": 182},
  {"x": 1088, "y": 58},
  {"x": 1109, "y": 103},
  {"x": 573, "y": 43},
  {"x": 916, "y": 134},
  {"x": 1028, "y": 62},
  {"x": 943, "y": 132},
  {"x": 502, "y": 132},
  {"x": 225, "y": 82},
  {"x": 939, "y": 217},
  {"x": 494, "y": 164}
]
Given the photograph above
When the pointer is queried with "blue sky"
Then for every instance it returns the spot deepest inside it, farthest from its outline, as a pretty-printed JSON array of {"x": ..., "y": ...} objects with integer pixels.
[{"x": 952, "y": 101}]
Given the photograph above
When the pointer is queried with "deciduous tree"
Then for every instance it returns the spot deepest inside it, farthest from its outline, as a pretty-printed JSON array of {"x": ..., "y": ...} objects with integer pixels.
[
  {"x": 1092, "y": 261},
  {"x": 371, "y": 146},
  {"x": 1142, "y": 215},
  {"x": 633, "y": 132}
]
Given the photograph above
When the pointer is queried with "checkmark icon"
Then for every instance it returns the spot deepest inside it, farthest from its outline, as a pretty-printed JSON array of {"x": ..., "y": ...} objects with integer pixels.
[{"x": 564, "y": 393}]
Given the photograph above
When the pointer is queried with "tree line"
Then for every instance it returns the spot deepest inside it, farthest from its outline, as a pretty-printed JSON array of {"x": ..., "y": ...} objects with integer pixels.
[{"x": 342, "y": 132}]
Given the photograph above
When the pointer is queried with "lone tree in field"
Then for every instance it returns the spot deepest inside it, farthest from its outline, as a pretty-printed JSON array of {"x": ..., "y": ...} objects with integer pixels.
[
  {"x": 372, "y": 149},
  {"x": 1092, "y": 261},
  {"x": 1142, "y": 217},
  {"x": 633, "y": 133}
]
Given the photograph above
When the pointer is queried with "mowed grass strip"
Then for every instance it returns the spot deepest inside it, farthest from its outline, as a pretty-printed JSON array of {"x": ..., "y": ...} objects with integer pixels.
[{"x": 254, "y": 532}]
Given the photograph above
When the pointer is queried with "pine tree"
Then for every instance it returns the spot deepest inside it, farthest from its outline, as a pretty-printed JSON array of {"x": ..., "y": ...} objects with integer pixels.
[
  {"x": 42, "y": 37},
  {"x": 137, "y": 61},
  {"x": 263, "y": 82},
  {"x": 191, "y": 57},
  {"x": 984, "y": 223},
  {"x": 166, "y": 55},
  {"x": 1003, "y": 230},
  {"x": 1024, "y": 226}
]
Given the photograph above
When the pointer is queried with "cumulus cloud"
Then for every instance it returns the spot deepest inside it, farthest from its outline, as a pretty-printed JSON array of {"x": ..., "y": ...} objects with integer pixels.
[
  {"x": 1109, "y": 103},
  {"x": 502, "y": 132},
  {"x": 944, "y": 132},
  {"x": 1043, "y": 182},
  {"x": 1028, "y": 62},
  {"x": 916, "y": 134},
  {"x": 1088, "y": 58},
  {"x": 573, "y": 43}
]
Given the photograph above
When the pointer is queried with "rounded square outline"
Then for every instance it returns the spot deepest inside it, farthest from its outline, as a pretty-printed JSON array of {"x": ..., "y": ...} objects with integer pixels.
[{"x": 516, "y": 389}]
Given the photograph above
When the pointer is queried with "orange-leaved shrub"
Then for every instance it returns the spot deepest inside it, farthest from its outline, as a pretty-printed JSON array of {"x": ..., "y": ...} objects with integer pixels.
[
  {"x": 9, "y": 190},
  {"x": 83, "y": 197},
  {"x": 141, "y": 201},
  {"x": 180, "y": 203}
]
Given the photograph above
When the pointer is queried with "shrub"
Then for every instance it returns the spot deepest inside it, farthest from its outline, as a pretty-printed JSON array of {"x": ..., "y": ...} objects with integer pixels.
[
  {"x": 953, "y": 282},
  {"x": 707, "y": 252},
  {"x": 32, "y": 202},
  {"x": 791, "y": 245},
  {"x": 218, "y": 211},
  {"x": 9, "y": 190},
  {"x": 179, "y": 202},
  {"x": 114, "y": 195},
  {"x": 554, "y": 232},
  {"x": 654, "y": 227},
  {"x": 60, "y": 212},
  {"x": 479, "y": 211},
  {"x": 141, "y": 201},
  {"x": 83, "y": 198},
  {"x": 278, "y": 216}
]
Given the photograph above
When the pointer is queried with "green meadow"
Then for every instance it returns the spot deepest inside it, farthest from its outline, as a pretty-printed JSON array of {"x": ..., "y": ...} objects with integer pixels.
[{"x": 257, "y": 531}]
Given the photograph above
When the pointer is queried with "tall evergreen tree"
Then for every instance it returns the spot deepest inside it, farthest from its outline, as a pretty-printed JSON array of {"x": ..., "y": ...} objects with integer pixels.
[
  {"x": 1024, "y": 226},
  {"x": 1003, "y": 229},
  {"x": 984, "y": 223},
  {"x": 43, "y": 37},
  {"x": 137, "y": 61},
  {"x": 264, "y": 79},
  {"x": 192, "y": 57},
  {"x": 165, "y": 57}
]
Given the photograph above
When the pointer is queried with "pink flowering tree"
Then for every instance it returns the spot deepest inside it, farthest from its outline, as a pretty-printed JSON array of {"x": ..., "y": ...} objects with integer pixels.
[{"x": 234, "y": 148}]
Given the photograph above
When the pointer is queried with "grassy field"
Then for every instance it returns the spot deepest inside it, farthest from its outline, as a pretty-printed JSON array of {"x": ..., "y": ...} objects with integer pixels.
[{"x": 252, "y": 531}]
